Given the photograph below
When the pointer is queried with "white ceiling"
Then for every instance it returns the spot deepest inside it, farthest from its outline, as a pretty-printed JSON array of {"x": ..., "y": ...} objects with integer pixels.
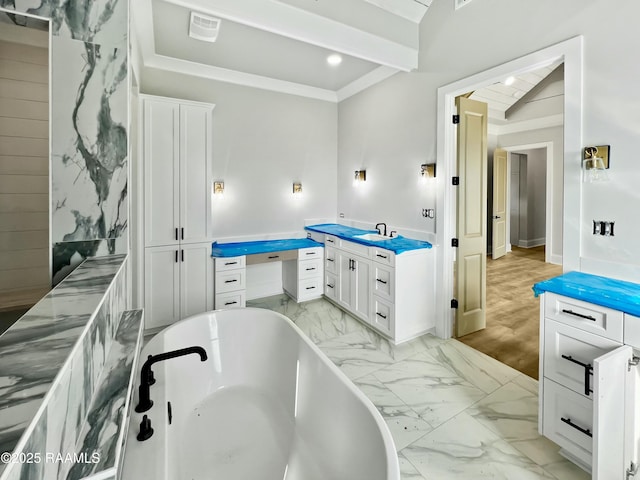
[{"x": 282, "y": 45}]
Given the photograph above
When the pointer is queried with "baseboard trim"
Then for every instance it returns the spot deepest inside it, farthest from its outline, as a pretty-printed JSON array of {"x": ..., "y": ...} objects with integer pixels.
[{"x": 536, "y": 242}]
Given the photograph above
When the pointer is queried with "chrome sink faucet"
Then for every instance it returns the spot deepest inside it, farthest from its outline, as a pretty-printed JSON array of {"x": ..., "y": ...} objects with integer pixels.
[{"x": 385, "y": 228}]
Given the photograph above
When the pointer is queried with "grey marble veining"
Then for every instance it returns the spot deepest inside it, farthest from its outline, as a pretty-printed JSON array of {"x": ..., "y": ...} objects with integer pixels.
[
  {"x": 454, "y": 413},
  {"x": 44, "y": 352}
]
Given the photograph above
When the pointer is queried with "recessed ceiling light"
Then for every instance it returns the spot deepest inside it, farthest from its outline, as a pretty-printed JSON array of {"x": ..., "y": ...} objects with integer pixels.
[
  {"x": 509, "y": 81},
  {"x": 334, "y": 59}
]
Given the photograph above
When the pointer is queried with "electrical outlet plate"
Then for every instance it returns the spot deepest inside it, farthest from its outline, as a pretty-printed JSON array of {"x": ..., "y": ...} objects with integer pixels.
[{"x": 461, "y": 3}]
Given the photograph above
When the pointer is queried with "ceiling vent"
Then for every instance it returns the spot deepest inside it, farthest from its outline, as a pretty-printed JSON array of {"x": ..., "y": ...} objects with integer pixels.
[
  {"x": 461, "y": 3},
  {"x": 203, "y": 27}
]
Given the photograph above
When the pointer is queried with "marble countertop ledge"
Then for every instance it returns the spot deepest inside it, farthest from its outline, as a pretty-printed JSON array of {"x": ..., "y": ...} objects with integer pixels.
[
  {"x": 603, "y": 291},
  {"x": 397, "y": 244},
  {"x": 34, "y": 350},
  {"x": 261, "y": 246}
]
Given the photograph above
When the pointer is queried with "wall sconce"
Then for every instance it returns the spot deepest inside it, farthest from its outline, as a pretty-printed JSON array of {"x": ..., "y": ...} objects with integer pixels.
[
  {"x": 595, "y": 162},
  {"x": 218, "y": 188},
  {"x": 360, "y": 176},
  {"x": 297, "y": 189},
  {"x": 428, "y": 170}
]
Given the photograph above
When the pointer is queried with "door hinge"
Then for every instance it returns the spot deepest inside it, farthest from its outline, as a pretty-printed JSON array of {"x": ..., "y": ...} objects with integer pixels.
[
  {"x": 456, "y": 119},
  {"x": 455, "y": 180},
  {"x": 454, "y": 242},
  {"x": 454, "y": 303},
  {"x": 634, "y": 362},
  {"x": 632, "y": 470}
]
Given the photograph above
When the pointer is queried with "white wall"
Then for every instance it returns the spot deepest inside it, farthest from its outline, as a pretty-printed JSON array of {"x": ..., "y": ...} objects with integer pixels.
[
  {"x": 24, "y": 167},
  {"x": 533, "y": 171},
  {"x": 455, "y": 45},
  {"x": 263, "y": 142}
]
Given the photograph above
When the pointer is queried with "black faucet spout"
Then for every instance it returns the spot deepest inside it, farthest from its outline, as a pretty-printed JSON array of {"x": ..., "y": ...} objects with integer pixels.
[
  {"x": 146, "y": 375},
  {"x": 385, "y": 228}
]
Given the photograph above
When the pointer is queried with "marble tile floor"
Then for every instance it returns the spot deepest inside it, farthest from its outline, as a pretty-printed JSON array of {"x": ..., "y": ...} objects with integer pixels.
[{"x": 454, "y": 413}]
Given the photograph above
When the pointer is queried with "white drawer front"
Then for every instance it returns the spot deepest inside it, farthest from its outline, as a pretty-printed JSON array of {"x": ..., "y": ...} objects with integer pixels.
[
  {"x": 568, "y": 354},
  {"x": 632, "y": 331},
  {"x": 309, "y": 253},
  {"x": 586, "y": 316},
  {"x": 229, "y": 263},
  {"x": 565, "y": 413},
  {"x": 330, "y": 260},
  {"x": 381, "y": 255},
  {"x": 230, "y": 300},
  {"x": 362, "y": 250},
  {"x": 309, "y": 268},
  {"x": 382, "y": 315},
  {"x": 383, "y": 282},
  {"x": 331, "y": 241},
  {"x": 310, "y": 288},
  {"x": 229, "y": 281},
  {"x": 330, "y": 285}
]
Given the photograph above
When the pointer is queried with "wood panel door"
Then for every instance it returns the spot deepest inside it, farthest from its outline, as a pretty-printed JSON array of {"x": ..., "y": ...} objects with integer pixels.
[
  {"x": 499, "y": 219},
  {"x": 472, "y": 216}
]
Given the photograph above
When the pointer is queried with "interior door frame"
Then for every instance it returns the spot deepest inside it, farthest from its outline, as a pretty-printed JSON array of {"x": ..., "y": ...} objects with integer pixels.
[
  {"x": 548, "y": 256},
  {"x": 571, "y": 53}
]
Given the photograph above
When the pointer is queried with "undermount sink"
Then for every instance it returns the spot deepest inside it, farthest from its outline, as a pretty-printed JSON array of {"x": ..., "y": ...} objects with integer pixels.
[{"x": 372, "y": 237}]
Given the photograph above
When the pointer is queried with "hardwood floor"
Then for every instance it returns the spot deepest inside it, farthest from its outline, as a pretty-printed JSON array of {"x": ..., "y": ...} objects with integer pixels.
[{"x": 512, "y": 332}]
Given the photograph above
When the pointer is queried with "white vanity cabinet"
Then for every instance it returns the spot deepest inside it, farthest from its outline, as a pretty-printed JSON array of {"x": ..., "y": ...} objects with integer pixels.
[
  {"x": 302, "y": 277},
  {"x": 589, "y": 401},
  {"x": 176, "y": 183},
  {"x": 393, "y": 293}
]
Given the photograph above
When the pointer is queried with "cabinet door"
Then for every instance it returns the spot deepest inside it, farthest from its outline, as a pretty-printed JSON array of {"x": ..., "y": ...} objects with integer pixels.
[
  {"x": 615, "y": 411},
  {"x": 161, "y": 286},
  {"x": 195, "y": 173},
  {"x": 344, "y": 295},
  {"x": 362, "y": 288},
  {"x": 161, "y": 172},
  {"x": 196, "y": 279}
]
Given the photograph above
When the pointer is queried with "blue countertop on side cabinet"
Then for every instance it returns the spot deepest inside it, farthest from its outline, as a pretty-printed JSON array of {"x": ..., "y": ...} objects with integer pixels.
[
  {"x": 262, "y": 246},
  {"x": 607, "y": 292},
  {"x": 397, "y": 244}
]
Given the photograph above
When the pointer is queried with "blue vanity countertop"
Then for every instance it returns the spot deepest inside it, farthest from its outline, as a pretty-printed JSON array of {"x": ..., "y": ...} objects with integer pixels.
[
  {"x": 262, "y": 246},
  {"x": 397, "y": 244},
  {"x": 607, "y": 292}
]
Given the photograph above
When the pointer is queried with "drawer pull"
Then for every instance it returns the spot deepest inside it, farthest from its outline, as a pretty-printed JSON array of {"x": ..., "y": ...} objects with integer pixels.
[
  {"x": 588, "y": 371},
  {"x": 329, "y": 285},
  {"x": 329, "y": 259},
  {"x": 310, "y": 253},
  {"x": 231, "y": 303},
  {"x": 381, "y": 315},
  {"x": 330, "y": 241},
  {"x": 575, "y": 314},
  {"x": 310, "y": 288},
  {"x": 381, "y": 256},
  {"x": 381, "y": 281},
  {"x": 230, "y": 263},
  {"x": 310, "y": 269},
  {"x": 231, "y": 281},
  {"x": 271, "y": 257},
  {"x": 568, "y": 421}
]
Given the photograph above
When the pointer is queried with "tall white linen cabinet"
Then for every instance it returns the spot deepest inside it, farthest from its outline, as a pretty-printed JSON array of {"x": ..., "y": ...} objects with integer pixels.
[{"x": 177, "y": 183}]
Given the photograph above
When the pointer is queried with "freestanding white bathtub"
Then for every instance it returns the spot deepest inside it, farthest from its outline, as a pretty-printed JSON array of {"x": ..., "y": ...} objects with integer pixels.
[{"x": 267, "y": 404}]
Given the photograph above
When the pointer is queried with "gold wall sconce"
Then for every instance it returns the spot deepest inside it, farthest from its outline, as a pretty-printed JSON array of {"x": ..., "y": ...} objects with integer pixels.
[
  {"x": 360, "y": 176},
  {"x": 595, "y": 162},
  {"x": 297, "y": 188},
  {"x": 428, "y": 170},
  {"x": 218, "y": 188}
]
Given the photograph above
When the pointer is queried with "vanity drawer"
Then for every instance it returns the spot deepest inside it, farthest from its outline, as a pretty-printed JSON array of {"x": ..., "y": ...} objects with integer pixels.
[
  {"x": 352, "y": 247},
  {"x": 382, "y": 315},
  {"x": 586, "y": 316},
  {"x": 310, "y": 288},
  {"x": 330, "y": 260},
  {"x": 568, "y": 420},
  {"x": 569, "y": 354},
  {"x": 632, "y": 331},
  {"x": 229, "y": 281},
  {"x": 230, "y": 300},
  {"x": 309, "y": 253},
  {"x": 309, "y": 268},
  {"x": 331, "y": 241},
  {"x": 383, "y": 282},
  {"x": 383, "y": 256},
  {"x": 330, "y": 285},
  {"x": 229, "y": 263},
  {"x": 272, "y": 257}
]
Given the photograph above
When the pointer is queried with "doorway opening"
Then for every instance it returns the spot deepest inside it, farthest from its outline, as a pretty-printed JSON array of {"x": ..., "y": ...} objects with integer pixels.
[
  {"x": 569, "y": 53},
  {"x": 25, "y": 253}
]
